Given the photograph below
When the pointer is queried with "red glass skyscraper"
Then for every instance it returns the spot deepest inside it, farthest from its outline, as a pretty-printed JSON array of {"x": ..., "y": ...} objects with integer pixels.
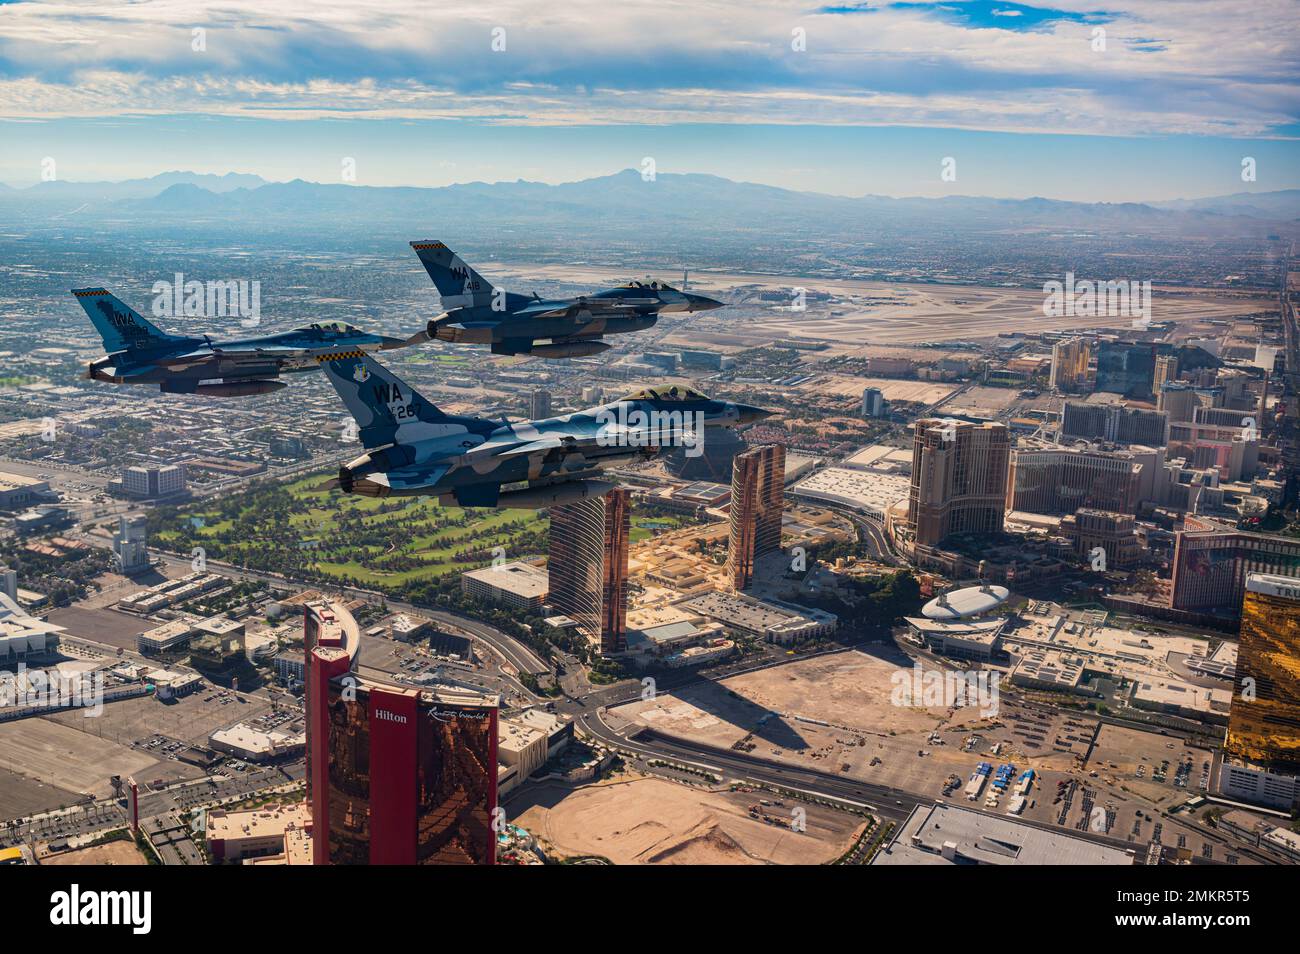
[
  {"x": 396, "y": 774},
  {"x": 757, "y": 509},
  {"x": 588, "y": 565}
]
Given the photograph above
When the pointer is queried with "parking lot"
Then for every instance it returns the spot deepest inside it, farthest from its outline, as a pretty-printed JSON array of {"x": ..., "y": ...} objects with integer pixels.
[
  {"x": 1163, "y": 769},
  {"x": 190, "y": 718}
]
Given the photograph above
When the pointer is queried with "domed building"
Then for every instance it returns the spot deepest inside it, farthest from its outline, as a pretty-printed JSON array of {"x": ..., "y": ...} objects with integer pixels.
[{"x": 966, "y": 602}]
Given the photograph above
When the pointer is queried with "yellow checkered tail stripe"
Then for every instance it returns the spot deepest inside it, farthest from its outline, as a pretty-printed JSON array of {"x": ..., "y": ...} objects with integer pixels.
[{"x": 340, "y": 355}]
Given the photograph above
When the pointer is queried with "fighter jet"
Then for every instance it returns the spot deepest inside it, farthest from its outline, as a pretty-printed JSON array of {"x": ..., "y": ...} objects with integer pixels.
[
  {"x": 476, "y": 313},
  {"x": 413, "y": 448},
  {"x": 139, "y": 353}
]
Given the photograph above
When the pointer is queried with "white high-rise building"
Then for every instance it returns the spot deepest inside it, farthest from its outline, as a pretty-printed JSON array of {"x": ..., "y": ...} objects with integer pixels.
[
  {"x": 131, "y": 545},
  {"x": 151, "y": 482}
]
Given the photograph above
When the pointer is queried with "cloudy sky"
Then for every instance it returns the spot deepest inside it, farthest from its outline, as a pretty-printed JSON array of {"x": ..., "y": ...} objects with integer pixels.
[{"x": 1135, "y": 99}]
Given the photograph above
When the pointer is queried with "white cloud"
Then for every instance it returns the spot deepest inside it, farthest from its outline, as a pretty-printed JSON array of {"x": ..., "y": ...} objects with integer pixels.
[{"x": 1226, "y": 68}]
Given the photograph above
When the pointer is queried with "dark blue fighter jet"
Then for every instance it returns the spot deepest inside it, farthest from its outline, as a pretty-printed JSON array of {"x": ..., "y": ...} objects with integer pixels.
[
  {"x": 413, "y": 448},
  {"x": 139, "y": 353},
  {"x": 474, "y": 312}
]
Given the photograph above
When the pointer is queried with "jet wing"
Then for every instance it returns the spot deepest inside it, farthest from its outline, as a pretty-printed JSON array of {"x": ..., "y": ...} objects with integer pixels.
[
  {"x": 240, "y": 351},
  {"x": 264, "y": 351},
  {"x": 591, "y": 306},
  {"x": 515, "y": 446},
  {"x": 413, "y": 478},
  {"x": 613, "y": 435},
  {"x": 276, "y": 349},
  {"x": 469, "y": 325},
  {"x": 537, "y": 447},
  {"x": 180, "y": 362},
  {"x": 669, "y": 434},
  {"x": 128, "y": 373}
]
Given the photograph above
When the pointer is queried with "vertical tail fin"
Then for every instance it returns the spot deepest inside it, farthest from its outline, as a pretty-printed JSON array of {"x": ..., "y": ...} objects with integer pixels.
[
  {"x": 387, "y": 410},
  {"x": 121, "y": 326},
  {"x": 457, "y": 283}
]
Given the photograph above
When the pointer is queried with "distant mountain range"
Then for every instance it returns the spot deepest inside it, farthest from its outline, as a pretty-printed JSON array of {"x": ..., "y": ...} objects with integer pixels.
[
  {"x": 1283, "y": 204},
  {"x": 684, "y": 200},
  {"x": 134, "y": 188}
]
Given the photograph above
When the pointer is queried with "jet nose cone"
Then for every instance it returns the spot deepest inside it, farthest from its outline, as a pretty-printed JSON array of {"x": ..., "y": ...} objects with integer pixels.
[
  {"x": 749, "y": 414},
  {"x": 702, "y": 302}
]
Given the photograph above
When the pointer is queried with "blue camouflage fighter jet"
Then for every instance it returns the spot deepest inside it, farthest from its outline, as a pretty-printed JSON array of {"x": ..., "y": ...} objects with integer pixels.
[
  {"x": 413, "y": 448},
  {"x": 139, "y": 353},
  {"x": 474, "y": 312}
]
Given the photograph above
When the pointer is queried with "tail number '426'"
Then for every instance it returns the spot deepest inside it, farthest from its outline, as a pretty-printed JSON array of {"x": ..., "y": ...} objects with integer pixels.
[{"x": 390, "y": 394}]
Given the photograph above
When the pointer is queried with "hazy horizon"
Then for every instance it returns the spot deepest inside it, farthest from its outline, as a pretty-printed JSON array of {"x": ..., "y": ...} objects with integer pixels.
[{"x": 207, "y": 169}]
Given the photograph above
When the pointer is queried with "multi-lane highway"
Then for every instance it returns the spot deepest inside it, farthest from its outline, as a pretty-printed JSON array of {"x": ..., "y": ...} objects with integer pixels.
[{"x": 1289, "y": 438}]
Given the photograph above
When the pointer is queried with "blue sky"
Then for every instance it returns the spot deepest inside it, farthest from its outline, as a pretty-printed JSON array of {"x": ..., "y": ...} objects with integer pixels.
[{"x": 847, "y": 97}]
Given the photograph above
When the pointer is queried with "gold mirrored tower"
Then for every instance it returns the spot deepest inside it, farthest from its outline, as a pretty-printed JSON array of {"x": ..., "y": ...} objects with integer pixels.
[{"x": 1264, "y": 724}]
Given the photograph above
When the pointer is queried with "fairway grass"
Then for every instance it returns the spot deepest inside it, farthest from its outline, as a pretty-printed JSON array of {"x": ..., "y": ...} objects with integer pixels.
[{"x": 378, "y": 542}]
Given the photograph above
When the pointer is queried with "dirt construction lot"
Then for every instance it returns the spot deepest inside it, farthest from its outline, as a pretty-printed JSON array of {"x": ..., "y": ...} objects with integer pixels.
[
  {"x": 834, "y": 713},
  {"x": 113, "y": 853},
  {"x": 636, "y": 819},
  {"x": 784, "y": 704}
]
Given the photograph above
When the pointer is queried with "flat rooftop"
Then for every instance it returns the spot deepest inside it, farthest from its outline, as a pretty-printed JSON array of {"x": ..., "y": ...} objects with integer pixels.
[
  {"x": 705, "y": 492},
  {"x": 20, "y": 631},
  {"x": 881, "y": 457},
  {"x": 953, "y": 835},
  {"x": 247, "y": 738},
  {"x": 670, "y": 632},
  {"x": 751, "y": 613},
  {"x": 1183, "y": 695},
  {"x": 513, "y": 737},
  {"x": 176, "y": 627},
  {"x": 12, "y": 481},
  {"x": 522, "y": 579},
  {"x": 1103, "y": 650},
  {"x": 872, "y": 491},
  {"x": 257, "y": 823},
  {"x": 219, "y": 626}
]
